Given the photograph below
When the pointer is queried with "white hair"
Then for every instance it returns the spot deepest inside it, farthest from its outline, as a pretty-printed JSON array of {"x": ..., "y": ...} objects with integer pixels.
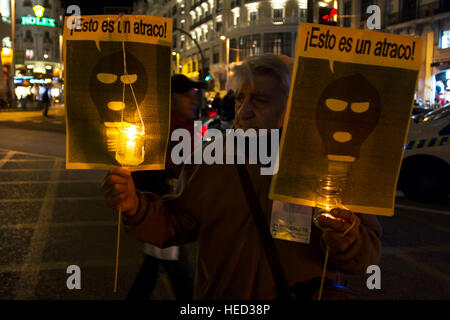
[{"x": 276, "y": 65}]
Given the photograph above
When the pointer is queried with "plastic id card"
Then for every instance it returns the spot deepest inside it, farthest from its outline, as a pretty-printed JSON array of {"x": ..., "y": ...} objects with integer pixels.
[{"x": 291, "y": 222}]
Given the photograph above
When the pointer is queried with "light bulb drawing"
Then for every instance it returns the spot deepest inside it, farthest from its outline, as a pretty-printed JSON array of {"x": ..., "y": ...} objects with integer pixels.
[
  {"x": 348, "y": 110},
  {"x": 118, "y": 85}
]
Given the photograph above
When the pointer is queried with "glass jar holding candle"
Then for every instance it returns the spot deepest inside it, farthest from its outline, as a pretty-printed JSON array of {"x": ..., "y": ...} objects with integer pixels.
[
  {"x": 329, "y": 190},
  {"x": 131, "y": 145}
]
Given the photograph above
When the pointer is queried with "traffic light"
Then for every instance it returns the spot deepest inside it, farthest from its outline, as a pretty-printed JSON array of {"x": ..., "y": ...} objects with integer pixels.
[
  {"x": 209, "y": 81},
  {"x": 328, "y": 12}
]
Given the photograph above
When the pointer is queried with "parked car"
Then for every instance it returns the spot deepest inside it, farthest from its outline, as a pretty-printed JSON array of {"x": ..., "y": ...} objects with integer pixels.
[
  {"x": 425, "y": 170},
  {"x": 420, "y": 110}
]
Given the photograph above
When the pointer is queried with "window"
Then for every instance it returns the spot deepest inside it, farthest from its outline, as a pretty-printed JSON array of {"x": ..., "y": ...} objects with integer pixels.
[
  {"x": 279, "y": 43},
  {"x": 364, "y": 5},
  {"x": 29, "y": 53},
  {"x": 347, "y": 13},
  {"x": 27, "y": 3},
  {"x": 303, "y": 14},
  {"x": 255, "y": 48},
  {"x": 276, "y": 46},
  {"x": 253, "y": 16},
  {"x": 219, "y": 5},
  {"x": 46, "y": 4},
  {"x": 174, "y": 10},
  {"x": 236, "y": 19},
  {"x": 390, "y": 6},
  {"x": 235, "y": 3},
  {"x": 219, "y": 27},
  {"x": 47, "y": 37},
  {"x": 6, "y": 42},
  {"x": 278, "y": 15},
  {"x": 249, "y": 45},
  {"x": 28, "y": 36},
  {"x": 233, "y": 49},
  {"x": 408, "y": 10},
  {"x": 216, "y": 55},
  {"x": 236, "y": 12},
  {"x": 445, "y": 39}
]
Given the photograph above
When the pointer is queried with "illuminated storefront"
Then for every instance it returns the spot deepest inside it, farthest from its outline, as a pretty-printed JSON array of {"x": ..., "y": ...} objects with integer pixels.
[
  {"x": 38, "y": 46},
  {"x": 442, "y": 89}
]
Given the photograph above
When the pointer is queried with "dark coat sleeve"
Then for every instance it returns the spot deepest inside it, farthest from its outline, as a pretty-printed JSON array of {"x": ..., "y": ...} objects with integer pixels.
[{"x": 168, "y": 220}]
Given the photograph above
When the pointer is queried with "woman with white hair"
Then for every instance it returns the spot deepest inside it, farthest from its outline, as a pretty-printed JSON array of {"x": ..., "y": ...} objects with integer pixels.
[{"x": 212, "y": 206}]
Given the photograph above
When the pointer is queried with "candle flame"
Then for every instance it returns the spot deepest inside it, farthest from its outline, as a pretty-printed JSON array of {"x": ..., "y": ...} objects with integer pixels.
[{"x": 127, "y": 141}]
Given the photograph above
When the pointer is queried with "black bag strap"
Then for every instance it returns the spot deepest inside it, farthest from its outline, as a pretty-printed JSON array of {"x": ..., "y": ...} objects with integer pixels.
[{"x": 264, "y": 232}]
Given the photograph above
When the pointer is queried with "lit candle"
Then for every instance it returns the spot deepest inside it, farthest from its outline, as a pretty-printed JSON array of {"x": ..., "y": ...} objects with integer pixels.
[{"x": 131, "y": 145}]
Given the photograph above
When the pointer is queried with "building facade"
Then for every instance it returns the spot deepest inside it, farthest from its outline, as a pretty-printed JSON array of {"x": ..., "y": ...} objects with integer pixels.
[
  {"x": 38, "y": 45},
  {"x": 428, "y": 19},
  {"x": 227, "y": 32},
  {"x": 6, "y": 81}
]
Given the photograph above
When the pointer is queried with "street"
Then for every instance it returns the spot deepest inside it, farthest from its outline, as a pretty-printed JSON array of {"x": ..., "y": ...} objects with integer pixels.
[{"x": 51, "y": 218}]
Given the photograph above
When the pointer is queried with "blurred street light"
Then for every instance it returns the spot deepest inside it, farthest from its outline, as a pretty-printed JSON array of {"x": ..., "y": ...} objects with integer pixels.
[{"x": 227, "y": 44}]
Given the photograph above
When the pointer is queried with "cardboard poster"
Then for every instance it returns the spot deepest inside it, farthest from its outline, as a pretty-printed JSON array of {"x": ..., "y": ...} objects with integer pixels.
[
  {"x": 117, "y": 91},
  {"x": 349, "y": 107}
]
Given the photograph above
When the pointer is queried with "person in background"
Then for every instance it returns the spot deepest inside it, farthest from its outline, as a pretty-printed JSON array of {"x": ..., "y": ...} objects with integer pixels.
[
  {"x": 216, "y": 104},
  {"x": 46, "y": 101},
  {"x": 227, "y": 107},
  {"x": 174, "y": 260}
]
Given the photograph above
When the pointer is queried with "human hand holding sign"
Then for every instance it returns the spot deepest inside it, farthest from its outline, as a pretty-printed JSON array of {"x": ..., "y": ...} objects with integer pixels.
[
  {"x": 340, "y": 229},
  {"x": 119, "y": 191}
]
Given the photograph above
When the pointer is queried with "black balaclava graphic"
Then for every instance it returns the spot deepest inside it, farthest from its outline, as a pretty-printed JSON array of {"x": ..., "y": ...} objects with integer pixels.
[
  {"x": 106, "y": 86},
  {"x": 348, "y": 111}
]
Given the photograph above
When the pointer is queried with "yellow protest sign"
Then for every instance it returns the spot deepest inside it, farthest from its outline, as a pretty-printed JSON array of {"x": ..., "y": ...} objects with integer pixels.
[
  {"x": 349, "y": 110},
  {"x": 358, "y": 46},
  {"x": 117, "y": 95},
  {"x": 133, "y": 28}
]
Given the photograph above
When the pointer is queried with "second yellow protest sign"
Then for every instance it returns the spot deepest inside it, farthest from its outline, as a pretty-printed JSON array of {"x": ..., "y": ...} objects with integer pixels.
[{"x": 348, "y": 112}]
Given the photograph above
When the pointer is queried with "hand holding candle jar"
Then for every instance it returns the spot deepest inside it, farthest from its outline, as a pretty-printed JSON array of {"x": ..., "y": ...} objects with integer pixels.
[{"x": 340, "y": 229}]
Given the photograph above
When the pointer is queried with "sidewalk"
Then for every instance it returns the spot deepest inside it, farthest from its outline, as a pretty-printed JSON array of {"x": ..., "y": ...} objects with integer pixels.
[{"x": 56, "y": 110}]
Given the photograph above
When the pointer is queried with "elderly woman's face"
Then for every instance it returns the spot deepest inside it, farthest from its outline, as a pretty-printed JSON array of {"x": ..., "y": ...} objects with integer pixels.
[{"x": 262, "y": 106}]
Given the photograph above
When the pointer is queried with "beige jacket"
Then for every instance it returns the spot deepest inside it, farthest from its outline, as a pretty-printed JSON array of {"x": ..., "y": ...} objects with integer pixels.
[{"x": 210, "y": 206}]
